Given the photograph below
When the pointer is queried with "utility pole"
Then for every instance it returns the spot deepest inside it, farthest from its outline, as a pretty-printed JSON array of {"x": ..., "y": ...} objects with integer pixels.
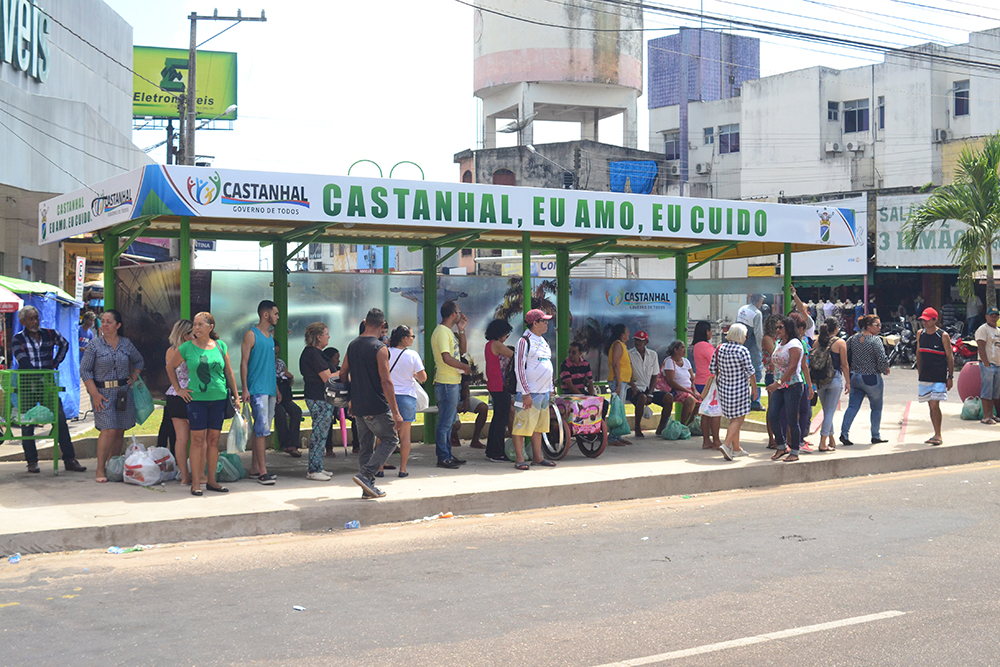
[{"x": 189, "y": 114}]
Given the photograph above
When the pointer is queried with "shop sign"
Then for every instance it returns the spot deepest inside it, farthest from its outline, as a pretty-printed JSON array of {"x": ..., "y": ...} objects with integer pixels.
[
  {"x": 168, "y": 68},
  {"x": 934, "y": 245},
  {"x": 24, "y": 37}
]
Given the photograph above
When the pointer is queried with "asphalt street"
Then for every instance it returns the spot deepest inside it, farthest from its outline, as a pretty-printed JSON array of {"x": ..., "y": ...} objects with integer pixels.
[{"x": 888, "y": 570}]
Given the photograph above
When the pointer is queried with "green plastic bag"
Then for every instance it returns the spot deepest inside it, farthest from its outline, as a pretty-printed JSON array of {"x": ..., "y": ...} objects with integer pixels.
[
  {"x": 676, "y": 431},
  {"x": 508, "y": 449},
  {"x": 230, "y": 468},
  {"x": 616, "y": 414},
  {"x": 143, "y": 401},
  {"x": 115, "y": 469},
  {"x": 695, "y": 427},
  {"x": 972, "y": 409}
]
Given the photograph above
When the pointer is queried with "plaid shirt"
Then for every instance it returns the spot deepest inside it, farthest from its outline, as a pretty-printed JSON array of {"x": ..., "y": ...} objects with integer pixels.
[{"x": 46, "y": 353}]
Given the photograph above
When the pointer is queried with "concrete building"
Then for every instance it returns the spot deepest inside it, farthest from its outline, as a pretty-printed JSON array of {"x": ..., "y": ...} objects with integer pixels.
[
  {"x": 566, "y": 61},
  {"x": 65, "y": 119},
  {"x": 821, "y": 130}
]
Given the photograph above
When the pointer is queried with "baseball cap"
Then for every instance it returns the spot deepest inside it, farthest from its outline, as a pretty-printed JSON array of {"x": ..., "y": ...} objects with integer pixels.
[
  {"x": 993, "y": 311},
  {"x": 536, "y": 314},
  {"x": 641, "y": 335},
  {"x": 929, "y": 314}
]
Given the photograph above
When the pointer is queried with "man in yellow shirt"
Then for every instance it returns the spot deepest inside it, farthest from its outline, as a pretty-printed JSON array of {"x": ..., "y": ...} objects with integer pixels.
[{"x": 448, "y": 371}]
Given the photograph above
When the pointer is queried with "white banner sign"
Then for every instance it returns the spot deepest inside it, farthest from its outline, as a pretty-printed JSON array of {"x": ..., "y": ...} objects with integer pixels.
[
  {"x": 850, "y": 261},
  {"x": 934, "y": 245},
  {"x": 243, "y": 195}
]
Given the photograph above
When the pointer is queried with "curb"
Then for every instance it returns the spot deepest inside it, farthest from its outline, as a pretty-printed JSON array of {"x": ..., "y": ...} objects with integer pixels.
[{"x": 332, "y": 516}]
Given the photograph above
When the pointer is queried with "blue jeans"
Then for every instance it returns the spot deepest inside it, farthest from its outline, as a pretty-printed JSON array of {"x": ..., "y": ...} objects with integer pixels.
[
  {"x": 829, "y": 396},
  {"x": 447, "y": 396},
  {"x": 786, "y": 402},
  {"x": 859, "y": 390}
]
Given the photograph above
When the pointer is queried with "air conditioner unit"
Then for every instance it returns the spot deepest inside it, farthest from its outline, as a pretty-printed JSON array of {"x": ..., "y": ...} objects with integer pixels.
[
  {"x": 675, "y": 170},
  {"x": 940, "y": 136},
  {"x": 834, "y": 147},
  {"x": 703, "y": 168},
  {"x": 853, "y": 146}
]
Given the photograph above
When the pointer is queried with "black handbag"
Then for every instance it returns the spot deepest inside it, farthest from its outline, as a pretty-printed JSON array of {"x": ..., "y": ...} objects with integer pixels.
[{"x": 230, "y": 406}]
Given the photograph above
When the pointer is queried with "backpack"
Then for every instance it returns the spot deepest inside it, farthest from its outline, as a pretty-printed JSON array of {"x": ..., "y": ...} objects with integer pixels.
[
  {"x": 510, "y": 374},
  {"x": 821, "y": 365}
]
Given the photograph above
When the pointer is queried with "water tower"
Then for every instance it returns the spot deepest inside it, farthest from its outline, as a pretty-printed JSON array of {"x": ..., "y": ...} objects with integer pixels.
[{"x": 574, "y": 61}]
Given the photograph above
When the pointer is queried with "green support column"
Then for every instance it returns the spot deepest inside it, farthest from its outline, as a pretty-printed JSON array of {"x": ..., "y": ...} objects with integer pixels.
[
  {"x": 787, "y": 275},
  {"x": 430, "y": 322},
  {"x": 681, "y": 301},
  {"x": 385, "y": 284},
  {"x": 562, "y": 314},
  {"x": 525, "y": 272},
  {"x": 185, "y": 253},
  {"x": 110, "y": 248},
  {"x": 279, "y": 294}
]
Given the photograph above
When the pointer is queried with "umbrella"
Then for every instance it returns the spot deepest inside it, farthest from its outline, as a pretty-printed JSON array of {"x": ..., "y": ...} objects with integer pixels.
[{"x": 9, "y": 302}]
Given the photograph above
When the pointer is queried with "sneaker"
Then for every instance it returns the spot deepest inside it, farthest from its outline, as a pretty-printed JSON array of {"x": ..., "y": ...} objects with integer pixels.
[
  {"x": 33, "y": 467},
  {"x": 368, "y": 488},
  {"x": 740, "y": 452},
  {"x": 74, "y": 466},
  {"x": 805, "y": 447},
  {"x": 727, "y": 452},
  {"x": 266, "y": 479},
  {"x": 757, "y": 406},
  {"x": 450, "y": 464},
  {"x": 497, "y": 459},
  {"x": 319, "y": 476}
]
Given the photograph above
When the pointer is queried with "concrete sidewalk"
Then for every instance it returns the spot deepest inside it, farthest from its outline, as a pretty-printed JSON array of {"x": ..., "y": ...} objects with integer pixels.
[{"x": 40, "y": 513}]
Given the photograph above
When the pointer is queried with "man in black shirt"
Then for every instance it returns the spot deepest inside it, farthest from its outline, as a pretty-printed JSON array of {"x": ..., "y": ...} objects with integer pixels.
[{"x": 373, "y": 401}]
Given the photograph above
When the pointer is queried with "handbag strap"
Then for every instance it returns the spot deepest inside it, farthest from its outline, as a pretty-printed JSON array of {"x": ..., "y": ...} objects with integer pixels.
[{"x": 397, "y": 358}]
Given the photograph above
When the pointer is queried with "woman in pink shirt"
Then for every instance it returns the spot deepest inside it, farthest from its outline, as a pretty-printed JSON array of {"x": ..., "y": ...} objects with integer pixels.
[{"x": 702, "y": 350}]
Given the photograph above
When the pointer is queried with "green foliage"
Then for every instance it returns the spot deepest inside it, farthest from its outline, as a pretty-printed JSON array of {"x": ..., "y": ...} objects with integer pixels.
[{"x": 974, "y": 198}]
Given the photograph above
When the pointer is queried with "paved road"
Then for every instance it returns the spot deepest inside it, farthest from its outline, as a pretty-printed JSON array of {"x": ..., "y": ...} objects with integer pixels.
[{"x": 902, "y": 568}]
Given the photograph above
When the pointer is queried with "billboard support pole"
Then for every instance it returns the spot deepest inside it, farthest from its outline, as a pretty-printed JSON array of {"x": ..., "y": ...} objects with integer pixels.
[
  {"x": 430, "y": 322},
  {"x": 562, "y": 300},
  {"x": 787, "y": 305},
  {"x": 110, "y": 259},
  {"x": 279, "y": 293},
  {"x": 184, "y": 248},
  {"x": 525, "y": 273},
  {"x": 385, "y": 281}
]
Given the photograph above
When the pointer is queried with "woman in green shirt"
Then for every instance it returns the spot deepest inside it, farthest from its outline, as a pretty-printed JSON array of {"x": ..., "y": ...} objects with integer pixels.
[{"x": 210, "y": 372}]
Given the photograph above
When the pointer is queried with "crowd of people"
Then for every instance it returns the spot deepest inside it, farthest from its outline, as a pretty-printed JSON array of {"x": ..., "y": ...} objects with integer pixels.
[{"x": 797, "y": 362}]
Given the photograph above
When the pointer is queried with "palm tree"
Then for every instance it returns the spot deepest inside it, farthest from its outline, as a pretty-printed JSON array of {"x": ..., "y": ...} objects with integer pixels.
[
  {"x": 514, "y": 297},
  {"x": 974, "y": 198}
]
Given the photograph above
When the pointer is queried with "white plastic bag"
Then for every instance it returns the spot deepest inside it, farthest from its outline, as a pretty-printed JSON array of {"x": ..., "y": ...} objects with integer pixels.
[
  {"x": 136, "y": 446},
  {"x": 423, "y": 401},
  {"x": 165, "y": 461},
  {"x": 140, "y": 468},
  {"x": 236, "y": 441}
]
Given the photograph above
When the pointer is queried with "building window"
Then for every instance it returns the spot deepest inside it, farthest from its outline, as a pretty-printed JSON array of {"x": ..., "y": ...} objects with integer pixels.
[
  {"x": 833, "y": 110},
  {"x": 881, "y": 112},
  {"x": 709, "y": 136},
  {"x": 504, "y": 177},
  {"x": 961, "y": 89},
  {"x": 672, "y": 145},
  {"x": 466, "y": 252},
  {"x": 856, "y": 116},
  {"x": 333, "y": 251},
  {"x": 729, "y": 138}
]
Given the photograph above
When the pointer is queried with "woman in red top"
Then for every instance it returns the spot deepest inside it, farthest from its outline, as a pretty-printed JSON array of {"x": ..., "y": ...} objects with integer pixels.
[{"x": 498, "y": 356}]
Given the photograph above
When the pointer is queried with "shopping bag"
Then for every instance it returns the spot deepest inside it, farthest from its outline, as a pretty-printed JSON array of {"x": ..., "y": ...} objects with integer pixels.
[
  {"x": 676, "y": 431},
  {"x": 135, "y": 446},
  {"x": 423, "y": 401},
  {"x": 230, "y": 468},
  {"x": 165, "y": 461},
  {"x": 616, "y": 413},
  {"x": 972, "y": 409},
  {"x": 236, "y": 441},
  {"x": 143, "y": 401},
  {"x": 710, "y": 407},
  {"x": 140, "y": 468},
  {"x": 114, "y": 469}
]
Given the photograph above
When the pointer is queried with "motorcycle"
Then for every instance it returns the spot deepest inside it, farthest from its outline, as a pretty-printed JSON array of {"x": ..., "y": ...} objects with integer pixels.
[
  {"x": 963, "y": 350},
  {"x": 903, "y": 343}
]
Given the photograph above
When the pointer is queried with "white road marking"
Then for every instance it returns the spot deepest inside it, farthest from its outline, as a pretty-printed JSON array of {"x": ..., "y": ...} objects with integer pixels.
[{"x": 756, "y": 639}]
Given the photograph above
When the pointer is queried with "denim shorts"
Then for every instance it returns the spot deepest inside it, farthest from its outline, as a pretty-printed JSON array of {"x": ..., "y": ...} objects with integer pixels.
[
  {"x": 262, "y": 413},
  {"x": 207, "y": 415},
  {"x": 407, "y": 407},
  {"x": 990, "y": 378}
]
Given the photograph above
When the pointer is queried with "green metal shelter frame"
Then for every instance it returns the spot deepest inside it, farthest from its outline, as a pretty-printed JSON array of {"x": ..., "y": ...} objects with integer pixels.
[{"x": 154, "y": 209}]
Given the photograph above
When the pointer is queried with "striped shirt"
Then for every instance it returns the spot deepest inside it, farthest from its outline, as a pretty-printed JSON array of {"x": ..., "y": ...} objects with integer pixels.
[
  {"x": 867, "y": 355},
  {"x": 46, "y": 353},
  {"x": 534, "y": 365}
]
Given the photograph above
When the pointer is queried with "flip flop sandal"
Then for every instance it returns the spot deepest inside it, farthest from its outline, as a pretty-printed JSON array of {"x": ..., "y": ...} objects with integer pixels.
[
  {"x": 792, "y": 459},
  {"x": 780, "y": 454},
  {"x": 545, "y": 463},
  {"x": 522, "y": 466},
  {"x": 988, "y": 422},
  {"x": 932, "y": 441}
]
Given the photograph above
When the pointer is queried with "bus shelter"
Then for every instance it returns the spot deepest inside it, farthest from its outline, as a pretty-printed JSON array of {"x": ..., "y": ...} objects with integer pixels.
[{"x": 289, "y": 211}]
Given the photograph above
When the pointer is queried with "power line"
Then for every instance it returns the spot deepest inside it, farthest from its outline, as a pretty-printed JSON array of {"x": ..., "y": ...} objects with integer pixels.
[{"x": 43, "y": 156}]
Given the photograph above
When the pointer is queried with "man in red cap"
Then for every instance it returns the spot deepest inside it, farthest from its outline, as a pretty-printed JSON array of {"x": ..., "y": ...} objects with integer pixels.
[
  {"x": 935, "y": 369},
  {"x": 645, "y": 369},
  {"x": 988, "y": 340},
  {"x": 533, "y": 368}
]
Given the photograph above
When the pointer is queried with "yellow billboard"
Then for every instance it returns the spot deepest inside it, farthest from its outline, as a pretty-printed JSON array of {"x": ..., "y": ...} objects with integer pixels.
[{"x": 161, "y": 75}]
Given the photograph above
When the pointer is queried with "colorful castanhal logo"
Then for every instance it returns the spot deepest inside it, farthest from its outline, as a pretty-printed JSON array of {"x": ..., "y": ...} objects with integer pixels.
[
  {"x": 204, "y": 191},
  {"x": 824, "y": 226},
  {"x": 616, "y": 298}
]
